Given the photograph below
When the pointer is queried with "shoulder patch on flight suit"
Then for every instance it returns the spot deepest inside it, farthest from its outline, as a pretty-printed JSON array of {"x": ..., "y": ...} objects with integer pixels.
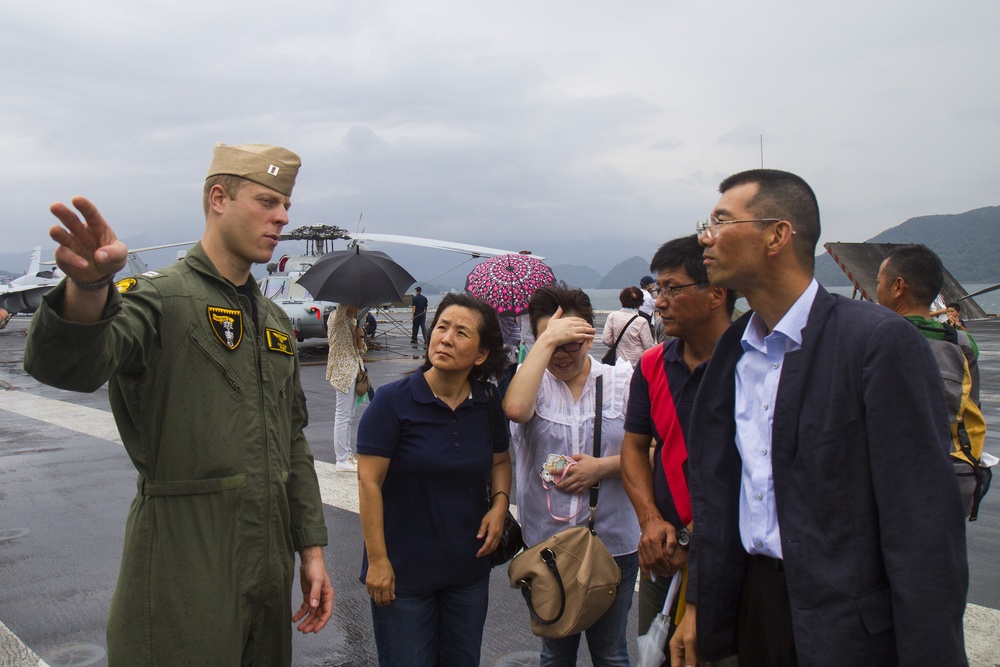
[
  {"x": 126, "y": 285},
  {"x": 278, "y": 341},
  {"x": 227, "y": 325}
]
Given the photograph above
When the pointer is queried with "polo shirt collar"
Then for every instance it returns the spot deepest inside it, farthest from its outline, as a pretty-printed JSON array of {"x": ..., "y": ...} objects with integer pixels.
[{"x": 422, "y": 391}]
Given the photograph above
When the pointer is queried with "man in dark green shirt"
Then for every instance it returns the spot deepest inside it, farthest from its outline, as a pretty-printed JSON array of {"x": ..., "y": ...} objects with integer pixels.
[{"x": 909, "y": 280}]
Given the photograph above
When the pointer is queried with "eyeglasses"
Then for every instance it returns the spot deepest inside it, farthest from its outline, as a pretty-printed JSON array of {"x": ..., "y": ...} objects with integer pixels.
[
  {"x": 671, "y": 291},
  {"x": 712, "y": 225},
  {"x": 570, "y": 348}
]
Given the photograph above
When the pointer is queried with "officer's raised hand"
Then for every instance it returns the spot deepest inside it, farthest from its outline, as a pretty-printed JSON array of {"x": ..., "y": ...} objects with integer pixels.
[{"x": 89, "y": 254}]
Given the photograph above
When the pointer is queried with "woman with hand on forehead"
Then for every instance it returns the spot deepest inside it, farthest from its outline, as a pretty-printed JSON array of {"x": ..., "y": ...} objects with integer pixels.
[{"x": 551, "y": 403}]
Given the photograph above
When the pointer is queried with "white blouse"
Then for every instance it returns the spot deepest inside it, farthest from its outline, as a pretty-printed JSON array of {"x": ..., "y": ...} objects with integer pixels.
[{"x": 561, "y": 425}]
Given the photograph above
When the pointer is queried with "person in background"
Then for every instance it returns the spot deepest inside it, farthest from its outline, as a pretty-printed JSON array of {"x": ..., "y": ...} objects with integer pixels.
[
  {"x": 552, "y": 402},
  {"x": 347, "y": 343},
  {"x": 648, "y": 307},
  {"x": 908, "y": 280},
  {"x": 659, "y": 331},
  {"x": 954, "y": 311},
  {"x": 637, "y": 337},
  {"x": 510, "y": 330},
  {"x": 203, "y": 379},
  {"x": 660, "y": 401},
  {"x": 817, "y": 462},
  {"x": 419, "y": 316},
  {"x": 428, "y": 446}
]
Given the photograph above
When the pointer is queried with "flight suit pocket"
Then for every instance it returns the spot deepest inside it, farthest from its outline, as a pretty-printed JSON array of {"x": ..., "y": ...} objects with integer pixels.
[
  {"x": 875, "y": 608},
  {"x": 215, "y": 356}
]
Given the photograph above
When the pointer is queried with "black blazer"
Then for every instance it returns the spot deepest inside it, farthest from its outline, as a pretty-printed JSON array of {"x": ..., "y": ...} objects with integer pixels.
[{"x": 872, "y": 529}]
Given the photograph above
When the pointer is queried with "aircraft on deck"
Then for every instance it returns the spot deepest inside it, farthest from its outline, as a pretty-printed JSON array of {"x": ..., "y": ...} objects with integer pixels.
[
  {"x": 307, "y": 315},
  {"x": 24, "y": 294}
]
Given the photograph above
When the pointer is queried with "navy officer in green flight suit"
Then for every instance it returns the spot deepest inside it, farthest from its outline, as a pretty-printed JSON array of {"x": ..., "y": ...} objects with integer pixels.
[{"x": 204, "y": 387}]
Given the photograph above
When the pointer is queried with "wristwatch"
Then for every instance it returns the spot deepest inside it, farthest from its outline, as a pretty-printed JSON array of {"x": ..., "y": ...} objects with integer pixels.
[{"x": 684, "y": 538}]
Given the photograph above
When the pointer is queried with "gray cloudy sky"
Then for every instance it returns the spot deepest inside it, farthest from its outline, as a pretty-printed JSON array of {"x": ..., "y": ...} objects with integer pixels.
[{"x": 586, "y": 131}]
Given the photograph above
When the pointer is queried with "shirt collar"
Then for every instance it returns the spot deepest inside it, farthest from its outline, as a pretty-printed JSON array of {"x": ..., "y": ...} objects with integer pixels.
[
  {"x": 790, "y": 326},
  {"x": 422, "y": 391}
]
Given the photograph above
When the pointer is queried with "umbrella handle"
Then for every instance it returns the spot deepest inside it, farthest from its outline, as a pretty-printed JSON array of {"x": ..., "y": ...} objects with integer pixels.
[{"x": 675, "y": 585}]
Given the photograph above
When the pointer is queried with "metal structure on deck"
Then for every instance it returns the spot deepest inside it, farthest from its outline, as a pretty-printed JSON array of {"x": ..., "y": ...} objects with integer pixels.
[{"x": 860, "y": 263}]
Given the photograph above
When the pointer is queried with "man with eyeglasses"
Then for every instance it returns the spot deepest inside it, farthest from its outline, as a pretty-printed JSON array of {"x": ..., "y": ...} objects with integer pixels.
[
  {"x": 660, "y": 400},
  {"x": 828, "y": 524}
]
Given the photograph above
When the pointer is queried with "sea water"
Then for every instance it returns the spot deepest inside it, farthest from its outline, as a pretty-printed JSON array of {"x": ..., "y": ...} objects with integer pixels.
[{"x": 607, "y": 299}]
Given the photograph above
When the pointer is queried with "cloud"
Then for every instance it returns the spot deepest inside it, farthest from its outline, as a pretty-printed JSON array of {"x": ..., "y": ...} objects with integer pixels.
[{"x": 590, "y": 133}]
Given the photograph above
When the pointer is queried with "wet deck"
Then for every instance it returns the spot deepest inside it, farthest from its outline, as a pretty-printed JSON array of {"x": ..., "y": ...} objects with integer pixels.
[{"x": 65, "y": 486}]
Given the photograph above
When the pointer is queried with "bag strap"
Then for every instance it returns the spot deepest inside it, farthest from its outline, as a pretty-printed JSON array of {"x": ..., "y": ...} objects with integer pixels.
[
  {"x": 598, "y": 411},
  {"x": 619, "y": 339},
  {"x": 495, "y": 407},
  {"x": 549, "y": 558},
  {"x": 548, "y": 498}
]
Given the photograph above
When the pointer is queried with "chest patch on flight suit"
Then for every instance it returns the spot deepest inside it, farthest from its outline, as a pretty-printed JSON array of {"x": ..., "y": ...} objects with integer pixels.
[
  {"x": 278, "y": 341},
  {"x": 126, "y": 285},
  {"x": 227, "y": 325}
]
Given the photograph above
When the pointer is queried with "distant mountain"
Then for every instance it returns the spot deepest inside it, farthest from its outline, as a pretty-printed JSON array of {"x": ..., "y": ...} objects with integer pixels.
[
  {"x": 968, "y": 244},
  {"x": 828, "y": 273},
  {"x": 625, "y": 273},
  {"x": 583, "y": 277}
]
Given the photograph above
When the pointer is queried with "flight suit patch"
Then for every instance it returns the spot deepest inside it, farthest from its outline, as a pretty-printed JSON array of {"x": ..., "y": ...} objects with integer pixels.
[
  {"x": 227, "y": 325},
  {"x": 278, "y": 341},
  {"x": 126, "y": 285}
]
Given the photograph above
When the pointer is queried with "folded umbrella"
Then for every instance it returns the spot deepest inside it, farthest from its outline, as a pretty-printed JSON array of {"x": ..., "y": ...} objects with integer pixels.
[
  {"x": 652, "y": 644},
  {"x": 357, "y": 278}
]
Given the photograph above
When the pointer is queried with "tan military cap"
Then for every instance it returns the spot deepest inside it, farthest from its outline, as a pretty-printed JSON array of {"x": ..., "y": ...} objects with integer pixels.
[{"x": 271, "y": 166}]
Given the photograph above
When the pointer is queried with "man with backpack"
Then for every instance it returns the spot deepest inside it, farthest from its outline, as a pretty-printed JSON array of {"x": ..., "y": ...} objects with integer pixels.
[{"x": 909, "y": 280}]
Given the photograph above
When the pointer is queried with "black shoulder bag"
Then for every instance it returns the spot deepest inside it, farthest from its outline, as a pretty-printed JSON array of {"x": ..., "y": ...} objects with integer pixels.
[
  {"x": 609, "y": 357},
  {"x": 510, "y": 539}
]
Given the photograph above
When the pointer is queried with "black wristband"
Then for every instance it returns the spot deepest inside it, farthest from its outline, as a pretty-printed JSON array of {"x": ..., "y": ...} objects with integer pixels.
[{"x": 94, "y": 286}]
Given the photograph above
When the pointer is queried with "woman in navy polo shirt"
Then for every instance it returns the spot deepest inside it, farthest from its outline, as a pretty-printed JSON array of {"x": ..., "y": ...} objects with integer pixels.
[
  {"x": 551, "y": 404},
  {"x": 426, "y": 451}
]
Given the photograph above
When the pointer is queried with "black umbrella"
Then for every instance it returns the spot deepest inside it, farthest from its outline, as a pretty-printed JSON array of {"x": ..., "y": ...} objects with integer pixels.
[{"x": 357, "y": 278}]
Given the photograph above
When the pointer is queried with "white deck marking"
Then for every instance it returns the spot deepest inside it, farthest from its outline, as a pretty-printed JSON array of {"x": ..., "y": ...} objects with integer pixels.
[
  {"x": 13, "y": 653},
  {"x": 340, "y": 490}
]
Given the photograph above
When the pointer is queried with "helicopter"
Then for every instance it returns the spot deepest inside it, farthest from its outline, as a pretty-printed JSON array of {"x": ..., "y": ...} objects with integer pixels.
[{"x": 309, "y": 315}]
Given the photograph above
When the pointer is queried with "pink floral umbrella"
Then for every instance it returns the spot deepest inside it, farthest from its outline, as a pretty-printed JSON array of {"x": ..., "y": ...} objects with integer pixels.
[{"x": 506, "y": 282}]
